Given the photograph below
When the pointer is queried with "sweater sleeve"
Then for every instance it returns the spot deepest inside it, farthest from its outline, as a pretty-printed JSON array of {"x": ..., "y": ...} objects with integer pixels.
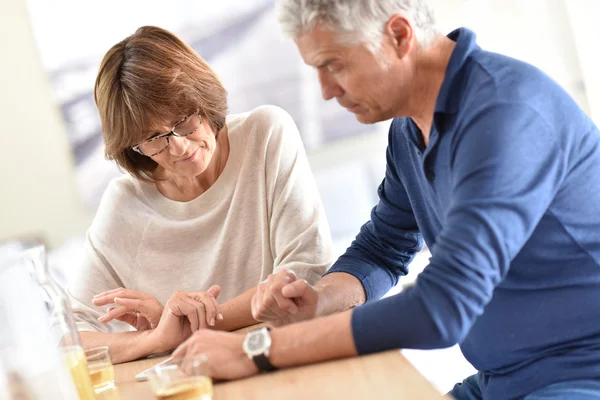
[
  {"x": 386, "y": 244},
  {"x": 507, "y": 167},
  {"x": 109, "y": 243},
  {"x": 300, "y": 238}
]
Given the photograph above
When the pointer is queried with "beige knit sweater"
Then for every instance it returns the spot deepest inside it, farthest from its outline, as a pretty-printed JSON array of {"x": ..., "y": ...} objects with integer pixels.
[{"x": 262, "y": 214}]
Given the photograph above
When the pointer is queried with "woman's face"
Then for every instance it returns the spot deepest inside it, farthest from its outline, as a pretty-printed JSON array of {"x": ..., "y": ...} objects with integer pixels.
[{"x": 188, "y": 156}]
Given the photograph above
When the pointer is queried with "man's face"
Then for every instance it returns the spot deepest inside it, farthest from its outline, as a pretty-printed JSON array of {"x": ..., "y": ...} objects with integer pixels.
[{"x": 366, "y": 84}]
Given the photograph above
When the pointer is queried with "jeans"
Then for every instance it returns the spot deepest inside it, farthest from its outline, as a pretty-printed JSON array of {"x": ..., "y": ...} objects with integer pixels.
[{"x": 569, "y": 390}]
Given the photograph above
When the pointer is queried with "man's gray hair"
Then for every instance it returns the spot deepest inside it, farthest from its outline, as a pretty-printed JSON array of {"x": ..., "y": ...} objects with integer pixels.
[{"x": 356, "y": 21}]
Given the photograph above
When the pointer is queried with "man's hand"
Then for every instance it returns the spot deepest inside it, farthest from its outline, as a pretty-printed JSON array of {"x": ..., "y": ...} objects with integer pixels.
[
  {"x": 226, "y": 357},
  {"x": 283, "y": 299}
]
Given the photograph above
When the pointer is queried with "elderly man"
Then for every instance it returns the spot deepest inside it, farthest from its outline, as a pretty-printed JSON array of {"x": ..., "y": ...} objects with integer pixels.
[{"x": 494, "y": 166}]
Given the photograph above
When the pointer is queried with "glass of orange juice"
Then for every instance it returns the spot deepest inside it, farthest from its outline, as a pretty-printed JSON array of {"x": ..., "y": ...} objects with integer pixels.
[
  {"x": 182, "y": 379},
  {"x": 75, "y": 358},
  {"x": 101, "y": 368}
]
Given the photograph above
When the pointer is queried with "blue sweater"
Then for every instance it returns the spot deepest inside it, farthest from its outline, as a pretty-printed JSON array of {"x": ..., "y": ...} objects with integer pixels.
[{"x": 507, "y": 197}]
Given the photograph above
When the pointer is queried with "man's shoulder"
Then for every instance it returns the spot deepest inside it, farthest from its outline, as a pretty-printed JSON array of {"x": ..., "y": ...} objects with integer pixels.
[{"x": 493, "y": 77}]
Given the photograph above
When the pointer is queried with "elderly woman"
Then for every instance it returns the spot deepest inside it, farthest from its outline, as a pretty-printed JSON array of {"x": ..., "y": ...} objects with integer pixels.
[{"x": 213, "y": 203}]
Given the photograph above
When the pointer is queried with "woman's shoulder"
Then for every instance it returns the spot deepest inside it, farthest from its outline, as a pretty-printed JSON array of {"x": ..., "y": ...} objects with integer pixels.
[
  {"x": 120, "y": 204},
  {"x": 121, "y": 190},
  {"x": 264, "y": 126},
  {"x": 266, "y": 119},
  {"x": 270, "y": 115}
]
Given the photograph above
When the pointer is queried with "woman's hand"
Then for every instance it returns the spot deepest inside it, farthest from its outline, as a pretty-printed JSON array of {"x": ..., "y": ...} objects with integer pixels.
[
  {"x": 138, "y": 309},
  {"x": 143, "y": 311},
  {"x": 200, "y": 308},
  {"x": 185, "y": 313}
]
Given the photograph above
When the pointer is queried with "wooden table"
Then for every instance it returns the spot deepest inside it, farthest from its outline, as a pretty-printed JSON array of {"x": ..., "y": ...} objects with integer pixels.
[{"x": 380, "y": 376}]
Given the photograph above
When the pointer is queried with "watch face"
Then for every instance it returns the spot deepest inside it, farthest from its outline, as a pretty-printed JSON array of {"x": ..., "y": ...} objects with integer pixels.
[{"x": 256, "y": 341}]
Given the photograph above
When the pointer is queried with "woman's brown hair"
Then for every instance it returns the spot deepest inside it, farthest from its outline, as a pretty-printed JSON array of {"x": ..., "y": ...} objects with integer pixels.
[{"x": 144, "y": 82}]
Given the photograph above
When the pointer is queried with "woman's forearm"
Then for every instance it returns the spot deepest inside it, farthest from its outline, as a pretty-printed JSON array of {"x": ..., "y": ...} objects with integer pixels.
[
  {"x": 124, "y": 346},
  {"x": 127, "y": 346},
  {"x": 237, "y": 312}
]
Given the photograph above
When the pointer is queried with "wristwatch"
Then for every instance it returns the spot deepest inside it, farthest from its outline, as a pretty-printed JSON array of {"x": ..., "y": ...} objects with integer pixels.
[{"x": 257, "y": 346}]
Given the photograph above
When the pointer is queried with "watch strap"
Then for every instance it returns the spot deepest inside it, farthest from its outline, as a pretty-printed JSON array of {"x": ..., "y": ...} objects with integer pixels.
[{"x": 263, "y": 363}]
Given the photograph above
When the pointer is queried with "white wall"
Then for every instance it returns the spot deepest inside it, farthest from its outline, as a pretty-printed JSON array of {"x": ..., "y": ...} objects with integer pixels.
[
  {"x": 583, "y": 17},
  {"x": 536, "y": 31},
  {"x": 38, "y": 189},
  {"x": 40, "y": 195}
]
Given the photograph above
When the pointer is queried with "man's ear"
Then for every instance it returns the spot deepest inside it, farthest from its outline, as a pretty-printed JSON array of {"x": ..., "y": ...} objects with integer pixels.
[{"x": 400, "y": 31}]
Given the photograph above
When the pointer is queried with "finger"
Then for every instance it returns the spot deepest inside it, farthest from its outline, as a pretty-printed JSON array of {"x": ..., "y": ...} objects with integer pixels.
[
  {"x": 111, "y": 291},
  {"x": 217, "y": 308},
  {"x": 132, "y": 304},
  {"x": 254, "y": 307},
  {"x": 203, "y": 307},
  {"x": 278, "y": 281},
  {"x": 287, "y": 274},
  {"x": 181, "y": 308},
  {"x": 269, "y": 303},
  {"x": 284, "y": 303},
  {"x": 295, "y": 289},
  {"x": 214, "y": 290},
  {"x": 131, "y": 294},
  {"x": 108, "y": 297},
  {"x": 182, "y": 349},
  {"x": 184, "y": 309},
  {"x": 259, "y": 311},
  {"x": 213, "y": 293},
  {"x": 113, "y": 313},
  {"x": 103, "y": 300},
  {"x": 188, "y": 364},
  {"x": 129, "y": 318},
  {"x": 213, "y": 310}
]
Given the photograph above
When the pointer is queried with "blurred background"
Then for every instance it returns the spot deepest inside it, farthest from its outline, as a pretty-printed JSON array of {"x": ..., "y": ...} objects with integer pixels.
[{"x": 52, "y": 166}]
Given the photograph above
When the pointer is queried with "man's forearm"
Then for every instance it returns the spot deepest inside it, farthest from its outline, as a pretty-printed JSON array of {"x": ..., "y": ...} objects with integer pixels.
[
  {"x": 317, "y": 340},
  {"x": 124, "y": 346},
  {"x": 338, "y": 292},
  {"x": 237, "y": 312}
]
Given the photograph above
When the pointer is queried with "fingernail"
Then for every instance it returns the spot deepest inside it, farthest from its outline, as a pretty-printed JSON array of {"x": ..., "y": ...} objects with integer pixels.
[
  {"x": 220, "y": 317},
  {"x": 115, "y": 299},
  {"x": 293, "y": 311},
  {"x": 212, "y": 322}
]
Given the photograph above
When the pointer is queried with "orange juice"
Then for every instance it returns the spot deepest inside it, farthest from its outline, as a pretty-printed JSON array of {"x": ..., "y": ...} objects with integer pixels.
[
  {"x": 102, "y": 375},
  {"x": 75, "y": 357}
]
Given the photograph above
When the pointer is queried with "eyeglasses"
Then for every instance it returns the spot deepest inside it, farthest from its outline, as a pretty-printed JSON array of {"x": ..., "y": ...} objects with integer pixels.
[{"x": 157, "y": 143}]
